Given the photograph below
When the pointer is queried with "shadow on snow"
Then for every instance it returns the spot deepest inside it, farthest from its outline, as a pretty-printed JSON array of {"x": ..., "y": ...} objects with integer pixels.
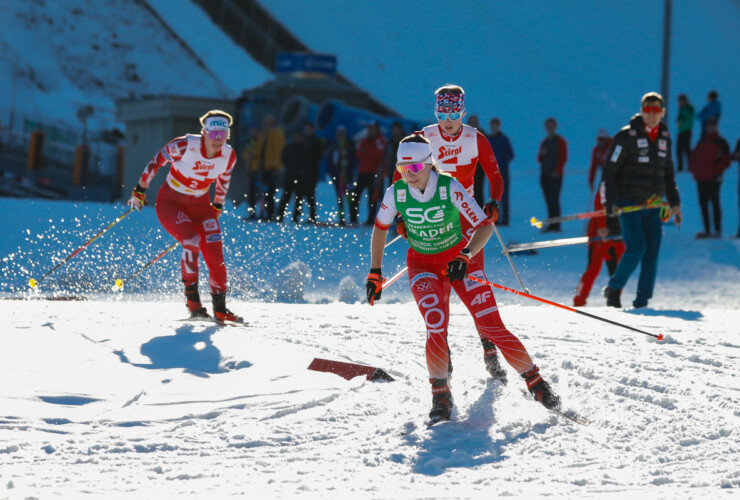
[{"x": 193, "y": 351}]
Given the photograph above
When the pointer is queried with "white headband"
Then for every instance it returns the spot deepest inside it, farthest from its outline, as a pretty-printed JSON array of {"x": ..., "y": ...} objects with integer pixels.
[
  {"x": 216, "y": 123},
  {"x": 414, "y": 152}
]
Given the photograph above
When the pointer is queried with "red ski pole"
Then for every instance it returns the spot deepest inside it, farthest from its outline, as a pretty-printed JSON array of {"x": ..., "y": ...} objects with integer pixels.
[
  {"x": 540, "y": 299},
  {"x": 33, "y": 282}
]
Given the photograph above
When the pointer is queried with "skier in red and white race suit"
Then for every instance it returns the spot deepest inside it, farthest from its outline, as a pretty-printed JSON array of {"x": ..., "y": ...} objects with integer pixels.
[
  {"x": 609, "y": 251},
  {"x": 184, "y": 209},
  {"x": 457, "y": 149},
  {"x": 439, "y": 259}
]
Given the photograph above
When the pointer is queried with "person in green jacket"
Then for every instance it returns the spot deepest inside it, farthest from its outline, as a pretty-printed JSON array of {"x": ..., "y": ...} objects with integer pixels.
[{"x": 685, "y": 122}]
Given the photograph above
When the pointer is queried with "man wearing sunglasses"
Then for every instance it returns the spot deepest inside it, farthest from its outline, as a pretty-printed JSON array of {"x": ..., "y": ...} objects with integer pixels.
[
  {"x": 184, "y": 208},
  {"x": 457, "y": 148},
  {"x": 638, "y": 166}
]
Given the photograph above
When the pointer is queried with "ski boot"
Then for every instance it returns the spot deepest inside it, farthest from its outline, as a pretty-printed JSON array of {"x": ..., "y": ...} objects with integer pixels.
[
  {"x": 193, "y": 302},
  {"x": 490, "y": 358},
  {"x": 612, "y": 297},
  {"x": 220, "y": 312},
  {"x": 541, "y": 390},
  {"x": 441, "y": 400}
]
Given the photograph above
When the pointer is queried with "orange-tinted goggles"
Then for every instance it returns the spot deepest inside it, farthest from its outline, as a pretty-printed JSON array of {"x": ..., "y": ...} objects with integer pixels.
[{"x": 414, "y": 168}]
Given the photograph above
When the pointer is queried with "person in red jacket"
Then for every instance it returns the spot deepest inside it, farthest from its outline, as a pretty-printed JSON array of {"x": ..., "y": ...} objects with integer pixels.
[
  {"x": 185, "y": 210},
  {"x": 598, "y": 155},
  {"x": 552, "y": 155},
  {"x": 600, "y": 249},
  {"x": 369, "y": 172},
  {"x": 710, "y": 158},
  {"x": 457, "y": 149}
]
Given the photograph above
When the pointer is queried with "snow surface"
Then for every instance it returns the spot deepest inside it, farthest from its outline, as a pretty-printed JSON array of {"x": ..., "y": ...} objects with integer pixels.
[
  {"x": 113, "y": 396},
  {"x": 67, "y": 55}
]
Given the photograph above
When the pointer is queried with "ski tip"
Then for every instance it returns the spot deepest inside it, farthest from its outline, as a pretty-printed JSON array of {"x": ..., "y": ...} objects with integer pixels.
[{"x": 660, "y": 337}]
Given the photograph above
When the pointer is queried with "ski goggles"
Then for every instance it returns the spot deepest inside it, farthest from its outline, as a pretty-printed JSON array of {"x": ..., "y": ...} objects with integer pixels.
[
  {"x": 413, "y": 168},
  {"x": 456, "y": 115},
  {"x": 216, "y": 135},
  {"x": 652, "y": 109}
]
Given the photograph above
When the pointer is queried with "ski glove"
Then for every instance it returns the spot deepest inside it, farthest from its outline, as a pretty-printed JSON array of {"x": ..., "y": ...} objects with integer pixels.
[
  {"x": 457, "y": 268},
  {"x": 217, "y": 207},
  {"x": 374, "y": 285},
  {"x": 401, "y": 227},
  {"x": 138, "y": 198},
  {"x": 491, "y": 209},
  {"x": 611, "y": 210}
]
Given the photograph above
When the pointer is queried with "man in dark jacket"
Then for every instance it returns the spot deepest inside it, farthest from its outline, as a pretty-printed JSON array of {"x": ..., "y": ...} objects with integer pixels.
[
  {"x": 638, "y": 166},
  {"x": 308, "y": 175},
  {"x": 552, "y": 155},
  {"x": 504, "y": 153},
  {"x": 342, "y": 167},
  {"x": 710, "y": 158},
  {"x": 292, "y": 157}
]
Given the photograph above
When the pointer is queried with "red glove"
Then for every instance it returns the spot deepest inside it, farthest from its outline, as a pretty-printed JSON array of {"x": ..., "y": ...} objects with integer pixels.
[
  {"x": 491, "y": 209},
  {"x": 374, "y": 285},
  {"x": 401, "y": 227}
]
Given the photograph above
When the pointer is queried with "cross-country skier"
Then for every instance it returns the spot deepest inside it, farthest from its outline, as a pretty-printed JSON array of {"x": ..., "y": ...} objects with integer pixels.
[
  {"x": 600, "y": 251},
  {"x": 439, "y": 259},
  {"x": 457, "y": 149},
  {"x": 184, "y": 208}
]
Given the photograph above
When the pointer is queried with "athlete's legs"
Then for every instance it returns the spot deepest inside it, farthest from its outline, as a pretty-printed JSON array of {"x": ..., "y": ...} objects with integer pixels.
[
  {"x": 596, "y": 255},
  {"x": 211, "y": 245},
  {"x": 481, "y": 303},
  {"x": 173, "y": 213},
  {"x": 432, "y": 294}
]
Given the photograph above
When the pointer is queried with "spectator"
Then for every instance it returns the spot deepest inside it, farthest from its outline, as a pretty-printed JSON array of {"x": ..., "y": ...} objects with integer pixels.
[
  {"x": 370, "y": 163},
  {"x": 600, "y": 249},
  {"x": 639, "y": 165},
  {"x": 265, "y": 170},
  {"x": 710, "y": 158},
  {"x": 397, "y": 133},
  {"x": 504, "y": 153},
  {"x": 308, "y": 176},
  {"x": 552, "y": 155},
  {"x": 713, "y": 109},
  {"x": 293, "y": 158},
  {"x": 342, "y": 165},
  {"x": 250, "y": 157},
  {"x": 479, "y": 178},
  {"x": 598, "y": 155},
  {"x": 736, "y": 157},
  {"x": 685, "y": 122}
]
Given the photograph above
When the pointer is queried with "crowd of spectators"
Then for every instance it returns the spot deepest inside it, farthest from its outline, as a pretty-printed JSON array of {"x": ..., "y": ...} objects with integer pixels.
[{"x": 360, "y": 170}]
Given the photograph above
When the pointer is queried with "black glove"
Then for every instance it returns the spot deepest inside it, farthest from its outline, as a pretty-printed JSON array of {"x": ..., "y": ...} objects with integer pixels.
[
  {"x": 457, "y": 268},
  {"x": 217, "y": 207},
  {"x": 374, "y": 285},
  {"x": 612, "y": 210},
  {"x": 491, "y": 209}
]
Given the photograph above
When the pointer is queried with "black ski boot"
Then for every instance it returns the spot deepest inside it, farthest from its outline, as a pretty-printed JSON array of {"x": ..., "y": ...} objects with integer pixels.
[
  {"x": 613, "y": 297},
  {"x": 541, "y": 390},
  {"x": 193, "y": 302},
  {"x": 490, "y": 358},
  {"x": 220, "y": 312},
  {"x": 441, "y": 400}
]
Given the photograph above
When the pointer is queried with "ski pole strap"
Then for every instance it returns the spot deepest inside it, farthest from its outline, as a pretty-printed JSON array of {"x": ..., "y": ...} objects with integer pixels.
[{"x": 545, "y": 301}]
